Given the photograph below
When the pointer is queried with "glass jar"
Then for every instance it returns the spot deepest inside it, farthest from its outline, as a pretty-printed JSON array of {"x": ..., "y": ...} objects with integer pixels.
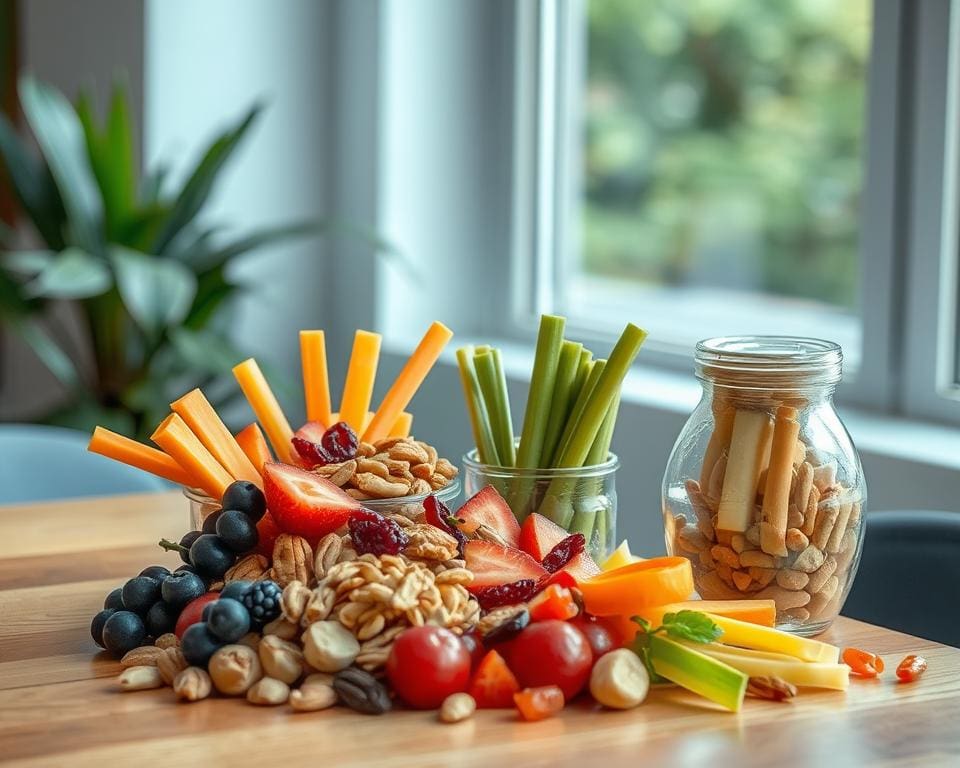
[
  {"x": 580, "y": 500},
  {"x": 764, "y": 492},
  {"x": 202, "y": 505}
]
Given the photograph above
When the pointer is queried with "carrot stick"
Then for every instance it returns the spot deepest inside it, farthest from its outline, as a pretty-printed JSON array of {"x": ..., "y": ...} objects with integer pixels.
[
  {"x": 253, "y": 443},
  {"x": 204, "y": 422},
  {"x": 316, "y": 384},
  {"x": 407, "y": 383},
  {"x": 402, "y": 426},
  {"x": 266, "y": 408},
  {"x": 175, "y": 437},
  {"x": 361, "y": 373},
  {"x": 134, "y": 454}
]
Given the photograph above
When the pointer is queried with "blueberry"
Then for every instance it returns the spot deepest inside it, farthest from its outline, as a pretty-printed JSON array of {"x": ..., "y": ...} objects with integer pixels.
[
  {"x": 122, "y": 632},
  {"x": 187, "y": 541},
  {"x": 140, "y": 593},
  {"x": 181, "y": 588},
  {"x": 210, "y": 556},
  {"x": 205, "y": 613},
  {"x": 161, "y": 618},
  {"x": 237, "y": 530},
  {"x": 235, "y": 590},
  {"x": 114, "y": 600},
  {"x": 157, "y": 572},
  {"x": 96, "y": 626},
  {"x": 228, "y": 619},
  {"x": 247, "y": 498},
  {"x": 198, "y": 644},
  {"x": 210, "y": 522}
]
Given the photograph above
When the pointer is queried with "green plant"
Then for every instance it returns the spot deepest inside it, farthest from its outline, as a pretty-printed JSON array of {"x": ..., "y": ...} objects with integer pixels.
[{"x": 148, "y": 279}]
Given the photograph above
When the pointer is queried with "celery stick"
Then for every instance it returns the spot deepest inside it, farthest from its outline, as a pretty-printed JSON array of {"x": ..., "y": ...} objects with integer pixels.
[
  {"x": 698, "y": 672},
  {"x": 601, "y": 445},
  {"x": 486, "y": 450},
  {"x": 549, "y": 342},
  {"x": 498, "y": 406},
  {"x": 504, "y": 398},
  {"x": 560, "y": 404},
  {"x": 758, "y": 664},
  {"x": 595, "y": 369}
]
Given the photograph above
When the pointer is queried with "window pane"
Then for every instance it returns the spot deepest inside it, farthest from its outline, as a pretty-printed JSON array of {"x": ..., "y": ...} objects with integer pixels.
[{"x": 721, "y": 167}]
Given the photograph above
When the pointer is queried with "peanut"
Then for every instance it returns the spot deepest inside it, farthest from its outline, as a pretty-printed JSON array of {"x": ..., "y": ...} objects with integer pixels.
[
  {"x": 234, "y": 668},
  {"x": 268, "y": 691},
  {"x": 140, "y": 678},
  {"x": 281, "y": 660},
  {"x": 619, "y": 680},
  {"x": 757, "y": 559},
  {"x": 313, "y": 697},
  {"x": 171, "y": 664},
  {"x": 192, "y": 684},
  {"x": 457, "y": 707},
  {"x": 168, "y": 640},
  {"x": 789, "y": 579},
  {"x": 809, "y": 560},
  {"x": 329, "y": 647}
]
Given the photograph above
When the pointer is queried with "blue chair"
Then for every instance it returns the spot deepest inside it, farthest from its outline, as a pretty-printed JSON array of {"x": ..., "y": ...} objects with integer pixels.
[
  {"x": 40, "y": 463},
  {"x": 908, "y": 574}
]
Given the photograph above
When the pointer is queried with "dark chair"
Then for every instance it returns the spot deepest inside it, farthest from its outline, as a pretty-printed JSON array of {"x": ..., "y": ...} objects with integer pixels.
[
  {"x": 909, "y": 574},
  {"x": 40, "y": 463}
]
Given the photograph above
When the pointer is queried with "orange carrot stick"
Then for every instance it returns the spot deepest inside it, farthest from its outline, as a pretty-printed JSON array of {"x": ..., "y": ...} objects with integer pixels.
[
  {"x": 253, "y": 443},
  {"x": 145, "y": 457},
  {"x": 175, "y": 437},
  {"x": 316, "y": 384},
  {"x": 407, "y": 383},
  {"x": 361, "y": 374},
  {"x": 267, "y": 409},
  {"x": 204, "y": 422},
  {"x": 402, "y": 426}
]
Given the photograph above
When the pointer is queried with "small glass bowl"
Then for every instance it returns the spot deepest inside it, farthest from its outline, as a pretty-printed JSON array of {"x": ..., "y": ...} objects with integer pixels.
[{"x": 202, "y": 505}]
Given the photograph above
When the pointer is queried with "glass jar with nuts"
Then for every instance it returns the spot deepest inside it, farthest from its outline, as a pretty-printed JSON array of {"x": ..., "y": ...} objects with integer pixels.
[{"x": 764, "y": 491}]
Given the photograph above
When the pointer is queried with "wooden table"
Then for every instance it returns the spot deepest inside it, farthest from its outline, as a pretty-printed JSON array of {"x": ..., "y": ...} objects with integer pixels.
[{"x": 59, "y": 704}]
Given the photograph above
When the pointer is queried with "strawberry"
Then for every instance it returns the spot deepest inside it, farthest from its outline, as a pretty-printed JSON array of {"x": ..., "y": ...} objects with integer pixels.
[
  {"x": 493, "y": 683},
  {"x": 489, "y": 508},
  {"x": 494, "y": 564},
  {"x": 581, "y": 567},
  {"x": 539, "y": 535},
  {"x": 304, "y": 503},
  {"x": 307, "y": 443},
  {"x": 267, "y": 532}
]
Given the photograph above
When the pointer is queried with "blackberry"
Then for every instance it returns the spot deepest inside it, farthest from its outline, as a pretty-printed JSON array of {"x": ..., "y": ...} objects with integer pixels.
[
  {"x": 263, "y": 602},
  {"x": 375, "y": 534}
]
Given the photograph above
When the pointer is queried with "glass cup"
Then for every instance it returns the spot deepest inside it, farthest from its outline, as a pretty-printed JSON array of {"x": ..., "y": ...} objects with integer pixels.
[
  {"x": 764, "y": 492},
  {"x": 580, "y": 500}
]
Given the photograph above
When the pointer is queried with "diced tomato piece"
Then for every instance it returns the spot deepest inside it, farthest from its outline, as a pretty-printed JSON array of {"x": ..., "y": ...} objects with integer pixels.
[
  {"x": 555, "y": 602},
  {"x": 539, "y": 703},
  {"x": 493, "y": 683}
]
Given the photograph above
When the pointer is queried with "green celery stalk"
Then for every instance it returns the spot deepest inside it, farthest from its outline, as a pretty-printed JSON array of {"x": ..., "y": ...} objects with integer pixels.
[
  {"x": 590, "y": 510},
  {"x": 567, "y": 369},
  {"x": 549, "y": 342},
  {"x": 698, "y": 672},
  {"x": 479, "y": 421},
  {"x": 595, "y": 369},
  {"x": 495, "y": 396}
]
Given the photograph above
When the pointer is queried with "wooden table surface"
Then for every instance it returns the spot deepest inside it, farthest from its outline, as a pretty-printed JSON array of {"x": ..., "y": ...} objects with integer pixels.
[{"x": 59, "y": 704}]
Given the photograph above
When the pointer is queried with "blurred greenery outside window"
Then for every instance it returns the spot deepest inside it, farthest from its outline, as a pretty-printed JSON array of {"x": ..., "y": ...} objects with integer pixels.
[{"x": 718, "y": 167}]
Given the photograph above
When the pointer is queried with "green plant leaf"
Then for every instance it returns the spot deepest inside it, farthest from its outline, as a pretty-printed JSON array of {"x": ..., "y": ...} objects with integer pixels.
[
  {"x": 61, "y": 139},
  {"x": 27, "y": 263},
  {"x": 84, "y": 414},
  {"x": 691, "y": 625},
  {"x": 202, "y": 256},
  {"x": 213, "y": 290},
  {"x": 140, "y": 227},
  {"x": 205, "y": 351},
  {"x": 151, "y": 185},
  {"x": 197, "y": 188},
  {"x": 33, "y": 185},
  {"x": 71, "y": 274},
  {"x": 156, "y": 292},
  {"x": 44, "y": 347}
]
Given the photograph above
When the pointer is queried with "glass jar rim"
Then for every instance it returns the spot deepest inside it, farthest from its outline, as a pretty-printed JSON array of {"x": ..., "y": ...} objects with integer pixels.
[
  {"x": 768, "y": 362},
  {"x": 471, "y": 461},
  {"x": 450, "y": 491}
]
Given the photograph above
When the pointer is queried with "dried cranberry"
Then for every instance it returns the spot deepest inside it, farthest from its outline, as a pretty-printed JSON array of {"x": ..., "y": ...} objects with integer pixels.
[
  {"x": 311, "y": 453},
  {"x": 506, "y": 594},
  {"x": 564, "y": 552},
  {"x": 339, "y": 443},
  {"x": 375, "y": 534},
  {"x": 507, "y": 629},
  {"x": 438, "y": 515}
]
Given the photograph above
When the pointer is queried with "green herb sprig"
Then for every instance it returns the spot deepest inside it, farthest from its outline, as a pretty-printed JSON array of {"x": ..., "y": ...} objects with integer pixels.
[{"x": 694, "y": 626}]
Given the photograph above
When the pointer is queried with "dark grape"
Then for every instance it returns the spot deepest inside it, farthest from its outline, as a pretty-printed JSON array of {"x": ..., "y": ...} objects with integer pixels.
[
  {"x": 237, "y": 530},
  {"x": 157, "y": 572},
  {"x": 139, "y": 593},
  {"x": 228, "y": 619},
  {"x": 187, "y": 541},
  {"x": 122, "y": 632},
  {"x": 181, "y": 588},
  {"x": 210, "y": 522},
  {"x": 198, "y": 644},
  {"x": 211, "y": 557},
  {"x": 96, "y": 626},
  {"x": 245, "y": 497},
  {"x": 114, "y": 600},
  {"x": 161, "y": 618}
]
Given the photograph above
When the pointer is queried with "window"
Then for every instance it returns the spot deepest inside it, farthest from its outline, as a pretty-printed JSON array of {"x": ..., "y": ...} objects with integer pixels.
[{"x": 733, "y": 167}]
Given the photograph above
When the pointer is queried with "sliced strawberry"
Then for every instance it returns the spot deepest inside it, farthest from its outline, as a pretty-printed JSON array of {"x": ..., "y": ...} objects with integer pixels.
[
  {"x": 555, "y": 602},
  {"x": 561, "y": 578},
  {"x": 494, "y": 564},
  {"x": 493, "y": 683},
  {"x": 581, "y": 567},
  {"x": 307, "y": 442},
  {"x": 489, "y": 508},
  {"x": 304, "y": 503},
  {"x": 267, "y": 532},
  {"x": 539, "y": 535}
]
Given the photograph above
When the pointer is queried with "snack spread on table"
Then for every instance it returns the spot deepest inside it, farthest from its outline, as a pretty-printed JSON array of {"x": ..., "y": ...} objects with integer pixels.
[{"x": 292, "y": 592}]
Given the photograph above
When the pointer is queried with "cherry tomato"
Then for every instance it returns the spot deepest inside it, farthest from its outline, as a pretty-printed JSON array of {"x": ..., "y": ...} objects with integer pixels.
[
  {"x": 426, "y": 665},
  {"x": 598, "y": 634},
  {"x": 538, "y": 703},
  {"x": 551, "y": 652},
  {"x": 474, "y": 645},
  {"x": 862, "y": 663},
  {"x": 192, "y": 611},
  {"x": 911, "y": 668}
]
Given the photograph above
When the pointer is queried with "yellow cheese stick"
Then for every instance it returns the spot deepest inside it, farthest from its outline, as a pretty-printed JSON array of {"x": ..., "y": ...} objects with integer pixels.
[
  {"x": 749, "y": 444},
  {"x": 361, "y": 373},
  {"x": 407, "y": 383},
  {"x": 266, "y": 408},
  {"x": 811, "y": 674},
  {"x": 719, "y": 440},
  {"x": 758, "y": 638},
  {"x": 316, "y": 384},
  {"x": 204, "y": 422},
  {"x": 402, "y": 426},
  {"x": 776, "y": 495},
  {"x": 134, "y": 454},
  {"x": 175, "y": 437}
]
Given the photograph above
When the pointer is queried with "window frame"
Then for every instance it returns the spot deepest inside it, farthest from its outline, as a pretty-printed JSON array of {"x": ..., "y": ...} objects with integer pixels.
[{"x": 910, "y": 41}]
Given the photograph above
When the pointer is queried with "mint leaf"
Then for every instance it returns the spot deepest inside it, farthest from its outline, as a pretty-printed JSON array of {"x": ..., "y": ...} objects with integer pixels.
[
  {"x": 644, "y": 624},
  {"x": 691, "y": 625}
]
